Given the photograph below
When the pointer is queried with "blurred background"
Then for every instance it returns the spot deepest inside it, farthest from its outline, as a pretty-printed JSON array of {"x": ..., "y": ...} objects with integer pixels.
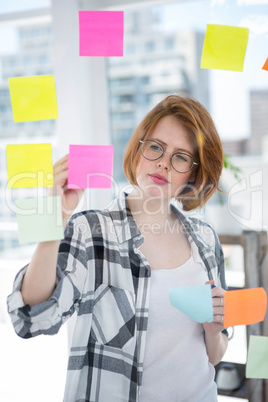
[{"x": 101, "y": 101}]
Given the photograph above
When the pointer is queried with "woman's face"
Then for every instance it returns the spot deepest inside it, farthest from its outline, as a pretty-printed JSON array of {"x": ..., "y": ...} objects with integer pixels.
[{"x": 157, "y": 178}]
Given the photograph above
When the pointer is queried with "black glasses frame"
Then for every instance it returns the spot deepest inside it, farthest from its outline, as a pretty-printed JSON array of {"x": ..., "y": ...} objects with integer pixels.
[{"x": 163, "y": 152}]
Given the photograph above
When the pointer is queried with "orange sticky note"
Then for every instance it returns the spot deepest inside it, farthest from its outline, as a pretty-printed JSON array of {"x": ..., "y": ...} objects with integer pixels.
[
  {"x": 244, "y": 307},
  {"x": 265, "y": 66}
]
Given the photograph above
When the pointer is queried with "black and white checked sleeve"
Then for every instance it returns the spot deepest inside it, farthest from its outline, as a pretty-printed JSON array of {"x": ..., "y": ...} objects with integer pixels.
[{"x": 47, "y": 317}]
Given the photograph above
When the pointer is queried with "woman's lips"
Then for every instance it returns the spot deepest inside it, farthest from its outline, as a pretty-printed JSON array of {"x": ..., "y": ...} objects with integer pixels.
[{"x": 158, "y": 179}]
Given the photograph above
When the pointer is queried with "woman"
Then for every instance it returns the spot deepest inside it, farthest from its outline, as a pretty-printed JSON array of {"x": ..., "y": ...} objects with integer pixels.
[{"x": 115, "y": 267}]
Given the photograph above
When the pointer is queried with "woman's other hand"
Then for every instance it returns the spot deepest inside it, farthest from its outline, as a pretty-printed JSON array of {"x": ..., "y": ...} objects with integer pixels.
[
  {"x": 216, "y": 342},
  {"x": 218, "y": 310}
]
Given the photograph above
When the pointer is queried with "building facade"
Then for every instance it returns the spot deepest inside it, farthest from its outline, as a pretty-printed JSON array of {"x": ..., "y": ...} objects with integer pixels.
[{"x": 155, "y": 64}]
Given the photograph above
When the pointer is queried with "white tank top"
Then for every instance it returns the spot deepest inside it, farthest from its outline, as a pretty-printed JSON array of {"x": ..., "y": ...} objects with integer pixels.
[{"x": 176, "y": 365}]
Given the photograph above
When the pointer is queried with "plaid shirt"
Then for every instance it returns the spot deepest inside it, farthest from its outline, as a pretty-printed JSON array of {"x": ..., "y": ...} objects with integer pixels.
[{"x": 104, "y": 278}]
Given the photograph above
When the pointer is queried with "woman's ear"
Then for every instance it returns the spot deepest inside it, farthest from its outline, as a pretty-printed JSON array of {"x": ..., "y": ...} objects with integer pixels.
[
  {"x": 192, "y": 178},
  {"x": 193, "y": 175}
]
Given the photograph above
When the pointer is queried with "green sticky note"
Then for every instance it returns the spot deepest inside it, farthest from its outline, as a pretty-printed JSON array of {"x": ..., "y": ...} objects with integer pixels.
[
  {"x": 257, "y": 360},
  {"x": 39, "y": 219},
  {"x": 224, "y": 47},
  {"x": 29, "y": 165},
  {"x": 33, "y": 98}
]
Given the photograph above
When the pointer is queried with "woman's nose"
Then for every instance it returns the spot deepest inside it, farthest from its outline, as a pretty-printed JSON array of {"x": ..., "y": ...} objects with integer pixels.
[{"x": 164, "y": 162}]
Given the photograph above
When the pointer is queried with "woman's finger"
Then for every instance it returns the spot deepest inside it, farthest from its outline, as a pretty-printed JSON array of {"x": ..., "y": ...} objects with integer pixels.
[
  {"x": 218, "y": 301},
  {"x": 218, "y": 310},
  {"x": 60, "y": 168},
  {"x": 61, "y": 161},
  {"x": 219, "y": 319},
  {"x": 61, "y": 178},
  {"x": 217, "y": 292},
  {"x": 211, "y": 282}
]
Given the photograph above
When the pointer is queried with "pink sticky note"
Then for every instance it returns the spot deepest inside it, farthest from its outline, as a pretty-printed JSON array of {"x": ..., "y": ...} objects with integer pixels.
[
  {"x": 90, "y": 166},
  {"x": 101, "y": 33}
]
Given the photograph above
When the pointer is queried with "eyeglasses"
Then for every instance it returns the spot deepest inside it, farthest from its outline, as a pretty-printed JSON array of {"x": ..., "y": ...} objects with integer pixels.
[{"x": 180, "y": 161}]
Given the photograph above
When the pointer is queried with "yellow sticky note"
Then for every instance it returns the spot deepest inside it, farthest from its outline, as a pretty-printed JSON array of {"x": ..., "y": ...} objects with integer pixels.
[
  {"x": 33, "y": 98},
  {"x": 224, "y": 47},
  {"x": 29, "y": 165}
]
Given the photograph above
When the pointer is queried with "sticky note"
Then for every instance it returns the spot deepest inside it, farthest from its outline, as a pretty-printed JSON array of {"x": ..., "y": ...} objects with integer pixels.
[
  {"x": 90, "y": 166},
  {"x": 194, "y": 301},
  {"x": 33, "y": 98},
  {"x": 29, "y": 165},
  {"x": 224, "y": 47},
  {"x": 39, "y": 219},
  {"x": 265, "y": 66},
  {"x": 244, "y": 307},
  {"x": 257, "y": 358},
  {"x": 101, "y": 33}
]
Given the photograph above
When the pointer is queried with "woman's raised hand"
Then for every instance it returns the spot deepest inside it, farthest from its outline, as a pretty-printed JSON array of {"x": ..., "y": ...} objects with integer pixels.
[{"x": 69, "y": 197}]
